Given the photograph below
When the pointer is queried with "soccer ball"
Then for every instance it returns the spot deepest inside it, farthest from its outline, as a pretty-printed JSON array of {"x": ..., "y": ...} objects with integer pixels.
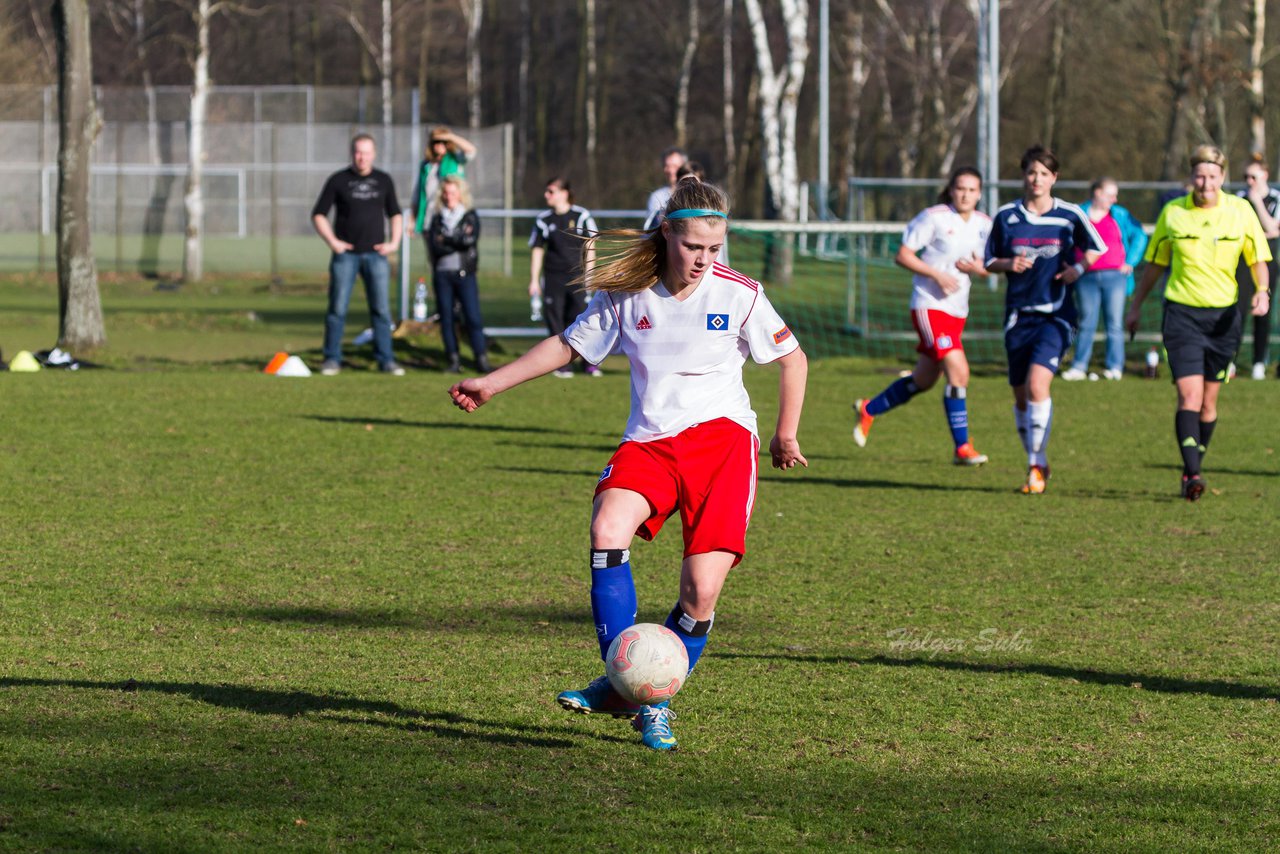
[{"x": 647, "y": 663}]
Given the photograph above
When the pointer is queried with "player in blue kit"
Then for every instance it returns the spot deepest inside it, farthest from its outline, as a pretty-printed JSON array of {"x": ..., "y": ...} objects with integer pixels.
[{"x": 1032, "y": 241}]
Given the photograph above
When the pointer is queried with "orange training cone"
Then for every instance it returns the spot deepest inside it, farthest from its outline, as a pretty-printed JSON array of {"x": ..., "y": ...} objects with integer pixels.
[{"x": 276, "y": 361}]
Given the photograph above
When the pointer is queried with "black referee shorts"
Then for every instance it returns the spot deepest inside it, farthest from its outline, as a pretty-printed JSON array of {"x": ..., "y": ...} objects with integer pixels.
[{"x": 1200, "y": 340}]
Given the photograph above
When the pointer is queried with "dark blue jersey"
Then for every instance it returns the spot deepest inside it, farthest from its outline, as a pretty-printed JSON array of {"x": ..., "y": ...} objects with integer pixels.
[{"x": 1051, "y": 239}]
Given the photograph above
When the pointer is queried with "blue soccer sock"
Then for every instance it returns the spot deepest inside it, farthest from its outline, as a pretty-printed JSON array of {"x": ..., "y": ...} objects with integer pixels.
[
  {"x": 613, "y": 594},
  {"x": 692, "y": 633},
  {"x": 898, "y": 393},
  {"x": 953, "y": 401}
]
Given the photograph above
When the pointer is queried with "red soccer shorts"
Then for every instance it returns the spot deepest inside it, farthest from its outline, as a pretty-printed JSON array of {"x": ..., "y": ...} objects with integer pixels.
[
  {"x": 939, "y": 332},
  {"x": 707, "y": 472}
]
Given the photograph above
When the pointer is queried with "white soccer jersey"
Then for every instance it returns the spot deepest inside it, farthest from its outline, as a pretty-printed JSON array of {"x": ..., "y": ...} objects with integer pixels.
[
  {"x": 686, "y": 355},
  {"x": 941, "y": 237}
]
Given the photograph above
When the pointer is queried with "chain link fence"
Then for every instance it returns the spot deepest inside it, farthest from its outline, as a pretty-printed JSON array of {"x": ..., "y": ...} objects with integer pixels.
[{"x": 268, "y": 151}]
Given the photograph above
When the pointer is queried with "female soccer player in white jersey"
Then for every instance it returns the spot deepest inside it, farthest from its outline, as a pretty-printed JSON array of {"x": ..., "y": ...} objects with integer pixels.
[
  {"x": 687, "y": 324},
  {"x": 942, "y": 246}
]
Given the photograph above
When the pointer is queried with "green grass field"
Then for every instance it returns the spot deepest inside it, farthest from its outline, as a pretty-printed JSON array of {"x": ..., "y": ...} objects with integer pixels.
[{"x": 240, "y": 612}]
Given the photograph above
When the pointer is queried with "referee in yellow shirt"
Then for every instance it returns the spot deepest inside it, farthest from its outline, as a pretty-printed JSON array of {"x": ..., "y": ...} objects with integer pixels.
[{"x": 1198, "y": 240}]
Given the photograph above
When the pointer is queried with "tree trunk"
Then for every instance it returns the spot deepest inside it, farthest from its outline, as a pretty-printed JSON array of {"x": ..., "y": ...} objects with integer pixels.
[
  {"x": 193, "y": 195},
  {"x": 856, "y": 46},
  {"x": 424, "y": 53},
  {"x": 475, "y": 16},
  {"x": 522, "y": 96},
  {"x": 1257, "y": 13},
  {"x": 79, "y": 304},
  {"x": 387, "y": 146},
  {"x": 730, "y": 152},
  {"x": 592, "y": 96},
  {"x": 686, "y": 73},
  {"x": 779, "y": 101},
  {"x": 1053, "y": 95}
]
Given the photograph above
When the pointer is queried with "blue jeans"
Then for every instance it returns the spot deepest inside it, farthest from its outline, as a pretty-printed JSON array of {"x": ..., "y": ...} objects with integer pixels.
[
  {"x": 375, "y": 272},
  {"x": 450, "y": 285},
  {"x": 1103, "y": 291}
]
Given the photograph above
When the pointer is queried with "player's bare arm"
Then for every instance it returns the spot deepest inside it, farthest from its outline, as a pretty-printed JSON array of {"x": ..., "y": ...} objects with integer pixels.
[
  {"x": 909, "y": 260},
  {"x": 784, "y": 447},
  {"x": 547, "y": 355}
]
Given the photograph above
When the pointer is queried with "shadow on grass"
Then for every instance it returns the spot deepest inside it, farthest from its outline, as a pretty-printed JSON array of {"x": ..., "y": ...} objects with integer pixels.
[
  {"x": 863, "y": 483},
  {"x": 562, "y": 446},
  {"x": 432, "y": 425},
  {"x": 517, "y": 617},
  {"x": 353, "y": 710},
  {"x": 1147, "y": 681}
]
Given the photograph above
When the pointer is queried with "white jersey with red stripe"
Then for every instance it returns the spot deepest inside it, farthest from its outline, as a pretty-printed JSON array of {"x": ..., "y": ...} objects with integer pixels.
[
  {"x": 941, "y": 237},
  {"x": 686, "y": 354}
]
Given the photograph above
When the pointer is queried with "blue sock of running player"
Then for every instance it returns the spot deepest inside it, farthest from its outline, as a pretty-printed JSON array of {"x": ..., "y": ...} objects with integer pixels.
[
  {"x": 1039, "y": 423},
  {"x": 693, "y": 633},
  {"x": 953, "y": 401},
  {"x": 898, "y": 393},
  {"x": 613, "y": 594},
  {"x": 1206, "y": 433},
  {"x": 1186, "y": 423}
]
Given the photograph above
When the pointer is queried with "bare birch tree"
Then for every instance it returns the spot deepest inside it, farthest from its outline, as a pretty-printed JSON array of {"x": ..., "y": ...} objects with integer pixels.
[
  {"x": 129, "y": 19},
  {"x": 779, "y": 99},
  {"x": 193, "y": 194},
  {"x": 730, "y": 151},
  {"x": 80, "y": 324},
  {"x": 593, "y": 86},
  {"x": 522, "y": 96},
  {"x": 855, "y": 45},
  {"x": 1256, "y": 27},
  {"x": 380, "y": 53},
  {"x": 473, "y": 11},
  {"x": 686, "y": 75}
]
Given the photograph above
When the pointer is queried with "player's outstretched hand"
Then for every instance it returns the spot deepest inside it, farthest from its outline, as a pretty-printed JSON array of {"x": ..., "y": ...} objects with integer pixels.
[
  {"x": 786, "y": 453},
  {"x": 470, "y": 394}
]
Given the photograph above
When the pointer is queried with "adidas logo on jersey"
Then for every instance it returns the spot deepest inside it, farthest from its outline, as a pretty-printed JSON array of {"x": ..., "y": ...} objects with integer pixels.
[{"x": 643, "y": 323}]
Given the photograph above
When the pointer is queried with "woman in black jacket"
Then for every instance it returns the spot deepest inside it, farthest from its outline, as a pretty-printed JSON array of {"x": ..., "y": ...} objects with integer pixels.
[{"x": 451, "y": 239}]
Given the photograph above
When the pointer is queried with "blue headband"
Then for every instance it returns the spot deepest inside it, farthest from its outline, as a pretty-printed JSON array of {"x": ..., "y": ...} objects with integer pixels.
[{"x": 688, "y": 213}]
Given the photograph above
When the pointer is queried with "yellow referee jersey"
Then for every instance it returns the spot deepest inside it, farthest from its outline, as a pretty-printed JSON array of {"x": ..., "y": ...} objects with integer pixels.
[{"x": 1201, "y": 247}]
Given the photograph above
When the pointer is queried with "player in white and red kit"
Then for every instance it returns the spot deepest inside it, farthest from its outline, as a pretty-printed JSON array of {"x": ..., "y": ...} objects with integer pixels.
[
  {"x": 942, "y": 247},
  {"x": 687, "y": 325}
]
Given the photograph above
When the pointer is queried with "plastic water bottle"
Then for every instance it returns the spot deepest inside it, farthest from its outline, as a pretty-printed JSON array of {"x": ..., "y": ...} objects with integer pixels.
[
  {"x": 535, "y": 308},
  {"x": 420, "y": 301},
  {"x": 1153, "y": 363}
]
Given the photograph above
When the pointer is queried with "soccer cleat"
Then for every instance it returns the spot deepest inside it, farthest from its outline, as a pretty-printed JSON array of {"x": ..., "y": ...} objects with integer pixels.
[
  {"x": 562, "y": 373},
  {"x": 1113, "y": 374},
  {"x": 1259, "y": 370},
  {"x": 597, "y": 698},
  {"x": 392, "y": 368},
  {"x": 330, "y": 368},
  {"x": 967, "y": 455},
  {"x": 1072, "y": 375},
  {"x": 1192, "y": 487},
  {"x": 1037, "y": 477},
  {"x": 654, "y": 725},
  {"x": 593, "y": 371},
  {"x": 863, "y": 427}
]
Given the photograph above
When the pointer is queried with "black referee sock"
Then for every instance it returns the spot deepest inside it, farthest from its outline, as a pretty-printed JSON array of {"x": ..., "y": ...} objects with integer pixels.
[
  {"x": 1187, "y": 426},
  {"x": 1206, "y": 433}
]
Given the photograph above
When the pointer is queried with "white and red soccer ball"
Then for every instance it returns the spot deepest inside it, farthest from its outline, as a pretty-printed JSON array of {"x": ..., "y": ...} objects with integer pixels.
[{"x": 647, "y": 664}]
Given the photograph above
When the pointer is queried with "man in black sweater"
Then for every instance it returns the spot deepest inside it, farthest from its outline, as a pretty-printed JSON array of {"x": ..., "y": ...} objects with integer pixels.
[{"x": 362, "y": 199}]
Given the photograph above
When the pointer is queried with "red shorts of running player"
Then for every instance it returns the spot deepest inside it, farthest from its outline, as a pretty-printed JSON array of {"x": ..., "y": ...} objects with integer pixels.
[
  {"x": 707, "y": 472},
  {"x": 939, "y": 332}
]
